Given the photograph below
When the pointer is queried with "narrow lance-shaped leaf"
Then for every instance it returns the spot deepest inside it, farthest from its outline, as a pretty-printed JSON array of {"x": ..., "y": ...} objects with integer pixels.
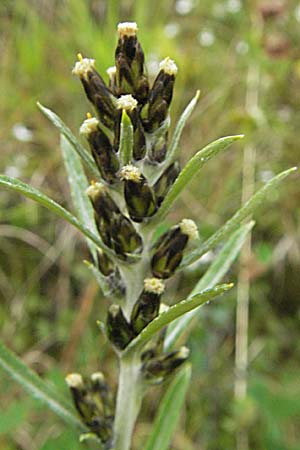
[
  {"x": 248, "y": 208},
  {"x": 169, "y": 411},
  {"x": 37, "y": 388},
  {"x": 65, "y": 131},
  {"x": 174, "y": 146},
  {"x": 191, "y": 168},
  {"x": 213, "y": 275},
  {"x": 173, "y": 313},
  {"x": 126, "y": 139},
  {"x": 36, "y": 195},
  {"x": 78, "y": 186}
]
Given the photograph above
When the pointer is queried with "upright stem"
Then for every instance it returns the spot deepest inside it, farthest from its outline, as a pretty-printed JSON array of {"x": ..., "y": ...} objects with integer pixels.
[
  {"x": 129, "y": 400},
  {"x": 129, "y": 397}
]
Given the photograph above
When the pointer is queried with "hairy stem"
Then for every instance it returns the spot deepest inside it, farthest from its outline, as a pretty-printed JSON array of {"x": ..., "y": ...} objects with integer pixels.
[
  {"x": 128, "y": 401},
  {"x": 129, "y": 395}
]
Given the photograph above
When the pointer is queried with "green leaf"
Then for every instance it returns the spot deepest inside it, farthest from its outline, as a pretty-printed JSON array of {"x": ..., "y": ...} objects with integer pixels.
[
  {"x": 67, "y": 133},
  {"x": 169, "y": 411},
  {"x": 36, "y": 195},
  {"x": 173, "y": 313},
  {"x": 173, "y": 149},
  {"x": 126, "y": 139},
  {"x": 78, "y": 186},
  {"x": 247, "y": 209},
  {"x": 191, "y": 168},
  {"x": 213, "y": 275},
  {"x": 37, "y": 388}
]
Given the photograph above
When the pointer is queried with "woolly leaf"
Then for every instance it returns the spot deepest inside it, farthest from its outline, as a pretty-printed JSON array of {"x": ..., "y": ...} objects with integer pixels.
[
  {"x": 34, "y": 194},
  {"x": 169, "y": 411},
  {"x": 173, "y": 149},
  {"x": 75, "y": 144},
  {"x": 191, "y": 168},
  {"x": 174, "y": 312},
  {"x": 78, "y": 186},
  {"x": 248, "y": 208},
  {"x": 213, "y": 275},
  {"x": 126, "y": 140}
]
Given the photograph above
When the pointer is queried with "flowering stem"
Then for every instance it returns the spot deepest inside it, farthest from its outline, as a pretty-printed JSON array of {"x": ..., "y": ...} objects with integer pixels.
[{"x": 129, "y": 400}]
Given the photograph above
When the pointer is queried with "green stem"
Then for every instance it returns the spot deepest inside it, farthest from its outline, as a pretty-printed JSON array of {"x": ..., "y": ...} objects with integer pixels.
[{"x": 129, "y": 400}]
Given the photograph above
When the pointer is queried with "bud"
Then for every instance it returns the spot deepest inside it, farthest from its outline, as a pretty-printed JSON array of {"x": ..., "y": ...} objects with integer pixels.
[
  {"x": 105, "y": 264},
  {"x": 139, "y": 196},
  {"x": 118, "y": 330},
  {"x": 147, "y": 305},
  {"x": 101, "y": 148},
  {"x": 96, "y": 90},
  {"x": 158, "y": 149},
  {"x": 164, "y": 365},
  {"x": 165, "y": 181},
  {"x": 116, "y": 230},
  {"x": 129, "y": 104},
  {"x": 80, "y": 394},
  {"x": 170, "y": 247},
  {"x": 156, "y": 348},
  {"x": 102, "y": 393},
  {"x": 112, "y": 75},
  {"x": 129, "y": 58},
  {"x": 90, "y": 406},
  {"x": 160, "y": 96}
]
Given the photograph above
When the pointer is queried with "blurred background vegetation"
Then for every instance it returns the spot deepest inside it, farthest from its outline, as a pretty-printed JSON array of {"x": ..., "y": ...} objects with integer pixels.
[{"x": 228, "y": 49}]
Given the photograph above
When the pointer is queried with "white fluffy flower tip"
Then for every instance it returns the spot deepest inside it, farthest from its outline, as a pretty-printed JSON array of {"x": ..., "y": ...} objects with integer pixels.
[
  {"x": 74, "y": 380},
  {"x": 127, "y": 29},
  {"x": 97, "y": 377},
  {"x": 127, "y": 102},
  {"x": 168, "y": 66},
  {"x": 94, "y": 189},
  {"x": 89, "y": 125},
  {"x": 111, "y": 71},
  {"x": 183, "y": 352},
  {"x": 83, "y": 66},
  {"x": 130, "y": 173},
  {"x": 154, "y": 286},
  {"x": 189, "y": 228}
]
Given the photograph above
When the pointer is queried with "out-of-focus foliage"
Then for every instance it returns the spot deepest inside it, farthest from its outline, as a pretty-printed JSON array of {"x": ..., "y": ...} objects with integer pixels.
[{"x": 48, "y": 299}]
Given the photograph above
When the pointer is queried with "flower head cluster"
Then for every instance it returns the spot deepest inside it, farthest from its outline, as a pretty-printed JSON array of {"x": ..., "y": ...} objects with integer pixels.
[{"x": 125, "y": 200}]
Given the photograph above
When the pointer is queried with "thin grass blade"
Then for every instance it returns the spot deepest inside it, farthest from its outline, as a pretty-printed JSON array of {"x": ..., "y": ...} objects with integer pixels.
[
  {"x": 213, "y": 275},
  {"x": 169, "y": 411},
  {"x": 75, "y": 144},
  {"x": 233, "y": 223}
]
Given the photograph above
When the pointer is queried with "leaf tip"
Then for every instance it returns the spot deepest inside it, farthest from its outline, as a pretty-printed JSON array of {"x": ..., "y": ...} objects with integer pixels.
[{"x": 197, "y": 96}]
